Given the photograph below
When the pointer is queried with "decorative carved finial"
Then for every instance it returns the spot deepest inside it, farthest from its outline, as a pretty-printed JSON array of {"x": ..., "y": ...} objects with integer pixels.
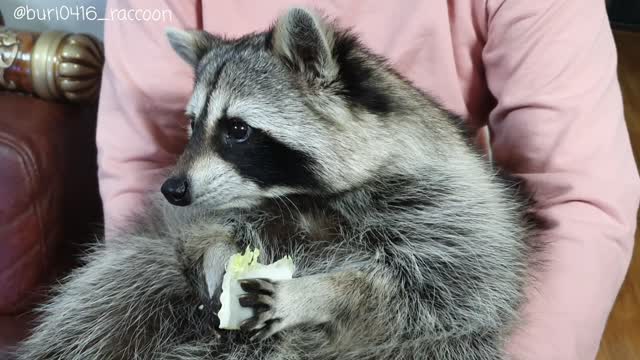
[
  {"x": 67, "y": 66},
  {"x": 8, "y": 54},
  {"x": 80, "y": 67},
  {"x": 53, "y": 65}
]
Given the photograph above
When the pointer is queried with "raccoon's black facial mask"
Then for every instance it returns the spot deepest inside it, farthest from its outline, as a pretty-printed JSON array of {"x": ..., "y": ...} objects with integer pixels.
[{"x": 261, "y": 158}]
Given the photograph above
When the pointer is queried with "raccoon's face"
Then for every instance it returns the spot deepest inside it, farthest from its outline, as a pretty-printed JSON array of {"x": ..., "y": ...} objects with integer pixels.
[{"x": 292, "y": 110}]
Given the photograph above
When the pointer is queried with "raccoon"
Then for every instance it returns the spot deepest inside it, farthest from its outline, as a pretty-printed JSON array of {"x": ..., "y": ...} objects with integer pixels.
[{"x": 407, "y": 243}]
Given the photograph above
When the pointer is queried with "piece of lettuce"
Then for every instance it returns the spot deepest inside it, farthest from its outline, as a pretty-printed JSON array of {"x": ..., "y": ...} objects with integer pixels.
[{"x": 246, "y": 266}]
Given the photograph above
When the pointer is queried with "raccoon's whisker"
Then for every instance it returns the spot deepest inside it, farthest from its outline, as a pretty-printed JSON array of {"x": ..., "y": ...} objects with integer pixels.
[
  {"x": 289, "y": 204},
  {"x": 279, "y": 203},
  {"x": 202, "y": 199}
]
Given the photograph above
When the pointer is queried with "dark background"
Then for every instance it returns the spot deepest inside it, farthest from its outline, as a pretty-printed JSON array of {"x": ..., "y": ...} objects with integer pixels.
[{"x": 624, "y": 13}]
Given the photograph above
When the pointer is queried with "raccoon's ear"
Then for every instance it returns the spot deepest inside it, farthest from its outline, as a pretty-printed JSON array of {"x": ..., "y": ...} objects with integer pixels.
[
  {"x": 191, "y": 45},
  {"x": 304, "y": 40}
]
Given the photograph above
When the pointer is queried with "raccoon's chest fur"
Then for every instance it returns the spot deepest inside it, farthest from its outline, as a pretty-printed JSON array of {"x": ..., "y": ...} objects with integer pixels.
[{"x": 308, "y": 229}]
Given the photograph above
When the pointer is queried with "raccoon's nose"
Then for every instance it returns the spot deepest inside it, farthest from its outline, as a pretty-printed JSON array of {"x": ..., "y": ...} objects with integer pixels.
[{"x": 176, "y": 190}]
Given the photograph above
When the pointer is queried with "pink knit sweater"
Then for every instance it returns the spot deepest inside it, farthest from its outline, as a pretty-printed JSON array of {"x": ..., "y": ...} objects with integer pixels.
[{"x": 541, "y": 75}]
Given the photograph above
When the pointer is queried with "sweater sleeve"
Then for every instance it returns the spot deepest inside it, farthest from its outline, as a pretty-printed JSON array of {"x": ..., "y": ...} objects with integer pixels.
[
  {"x": 145, "y": 86},
  {"x": 559, "y": 124}
]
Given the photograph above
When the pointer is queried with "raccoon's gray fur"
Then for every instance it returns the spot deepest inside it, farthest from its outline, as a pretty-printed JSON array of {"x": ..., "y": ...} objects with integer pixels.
[{"x": 406, "y": 243}]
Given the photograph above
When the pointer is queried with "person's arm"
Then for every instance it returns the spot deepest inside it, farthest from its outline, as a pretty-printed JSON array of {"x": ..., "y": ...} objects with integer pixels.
[
  {"x": 558, "y": 123},
  {"x": 141, "y": 123}
]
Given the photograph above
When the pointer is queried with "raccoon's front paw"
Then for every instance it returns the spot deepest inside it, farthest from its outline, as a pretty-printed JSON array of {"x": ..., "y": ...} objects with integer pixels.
[{"x": 269, "y": 317}]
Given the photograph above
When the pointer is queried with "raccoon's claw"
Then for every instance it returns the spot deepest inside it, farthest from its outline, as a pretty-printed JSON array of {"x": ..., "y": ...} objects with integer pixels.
[
  {"x": 268, "y": 330},
  {"x": 260, "y": 297},
  {"x": 256, "y": 301},
  {"x": 261, "y": 286}
]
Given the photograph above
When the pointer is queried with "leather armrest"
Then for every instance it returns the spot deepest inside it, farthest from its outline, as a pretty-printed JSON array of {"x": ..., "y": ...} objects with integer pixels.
[{"x": 49, "y": 201}]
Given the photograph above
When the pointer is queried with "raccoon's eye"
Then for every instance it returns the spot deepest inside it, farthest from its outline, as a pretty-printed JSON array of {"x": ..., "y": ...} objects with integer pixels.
[{"x": 238, "y": 130}]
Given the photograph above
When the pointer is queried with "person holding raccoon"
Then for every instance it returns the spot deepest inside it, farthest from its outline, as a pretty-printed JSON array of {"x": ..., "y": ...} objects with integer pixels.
[{"x": 334, "y": 147}]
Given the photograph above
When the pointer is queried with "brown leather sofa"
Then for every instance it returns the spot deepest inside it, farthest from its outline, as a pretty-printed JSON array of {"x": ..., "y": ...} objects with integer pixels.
[{"x": 49, "y": 202}]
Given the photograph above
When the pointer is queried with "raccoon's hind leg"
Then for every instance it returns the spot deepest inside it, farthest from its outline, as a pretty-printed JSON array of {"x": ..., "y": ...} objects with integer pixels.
[{"x": 133, "y": 300}]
